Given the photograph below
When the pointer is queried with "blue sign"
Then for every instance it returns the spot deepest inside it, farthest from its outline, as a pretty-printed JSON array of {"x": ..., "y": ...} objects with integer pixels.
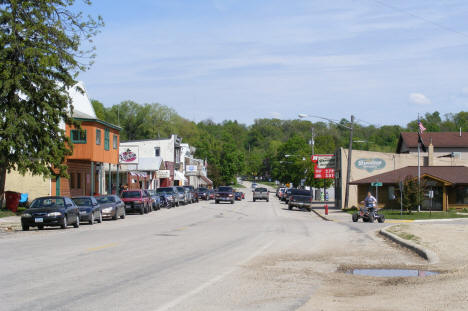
[{"x": 370, "y": 164}]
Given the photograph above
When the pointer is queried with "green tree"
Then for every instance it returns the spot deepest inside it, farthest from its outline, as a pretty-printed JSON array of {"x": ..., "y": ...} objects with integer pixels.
[{"x": 40, "y": 57}]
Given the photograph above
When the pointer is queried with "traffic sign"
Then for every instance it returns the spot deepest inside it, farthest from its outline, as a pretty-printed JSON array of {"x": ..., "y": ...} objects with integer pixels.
[{"x": 376, "y": 184}]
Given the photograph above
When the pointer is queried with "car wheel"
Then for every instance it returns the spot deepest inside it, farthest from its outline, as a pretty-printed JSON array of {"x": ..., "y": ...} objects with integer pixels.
[
  {"x": 91, "y": 220},
  {"x": 77, "y": 222},
  {"x": 100, "y": 218},
  {"x": 25, "y": 228},
  {"x": 254, "y": 200},
  {"x": 123, "y": 215},
  {"x": 355, "y": 217},
  {"x": 289, "y": 207},
  {"x": 216, "y": 201},
  {"x": 64, "y": 223},
  {"x": 232, "y": 202},
  {"x": 40, "y": 227},
  {"x": 268, "y": 200}
]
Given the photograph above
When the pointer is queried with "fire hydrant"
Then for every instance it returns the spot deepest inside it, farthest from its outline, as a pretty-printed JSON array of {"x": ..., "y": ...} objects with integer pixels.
[{"x": 326, "y": 209}]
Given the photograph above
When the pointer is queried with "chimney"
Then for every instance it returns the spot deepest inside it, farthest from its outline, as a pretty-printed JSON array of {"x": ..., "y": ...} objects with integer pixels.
[{"x": 430, "y": 154}]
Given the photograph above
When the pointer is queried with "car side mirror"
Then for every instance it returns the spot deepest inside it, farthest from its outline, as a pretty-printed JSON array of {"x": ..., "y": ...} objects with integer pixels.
[{"x": 69, "y": 205}]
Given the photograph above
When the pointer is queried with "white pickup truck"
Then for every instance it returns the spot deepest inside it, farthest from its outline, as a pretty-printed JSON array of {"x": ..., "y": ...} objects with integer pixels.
[{"x": 261, "y": 194}]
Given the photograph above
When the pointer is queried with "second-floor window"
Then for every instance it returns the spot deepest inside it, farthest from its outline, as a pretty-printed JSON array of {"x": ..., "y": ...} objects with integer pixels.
[
  {"x": 106, "y": 139},
  {"x": 157, "y": 151},
  {"x": 98, "y": 137},
  {"x": 114, "y": 142},
  {"x": 78, "y": 136}
]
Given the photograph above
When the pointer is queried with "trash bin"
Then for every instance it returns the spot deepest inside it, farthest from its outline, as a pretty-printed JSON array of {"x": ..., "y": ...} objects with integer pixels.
[{"x": 12, "y": 200}]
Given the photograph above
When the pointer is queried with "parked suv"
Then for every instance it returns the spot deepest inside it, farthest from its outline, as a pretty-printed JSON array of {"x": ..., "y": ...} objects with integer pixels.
[
  {"x": 194, "y": 194},
  {"x": 187, "y": 196},
  {"x": 136, "y": 201}
]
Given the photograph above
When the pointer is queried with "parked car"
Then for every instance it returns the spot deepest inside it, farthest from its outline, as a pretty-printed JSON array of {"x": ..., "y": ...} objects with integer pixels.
[
  {"x": 286, "y": 194},
  {"x": 194, "y": 193},
  {"x": 90, "y": 210},
  {"x": 171, "y": 195},
  {"x": 224, "y": 194},
  {"x": 238, "y": 196},
  {"x": 261, "y": 193},
  {"x": 51, "y": 211},
  {"x": 300, "y": 198},
  {"x": 155, "y": 200},
  {"x": 186, "y": 194},
  {"x": 203, "y": 194},
  {"x": 281, "y": 193},
  {"x": 111, "y": 207},
  {"x": 136, "y": 201}
]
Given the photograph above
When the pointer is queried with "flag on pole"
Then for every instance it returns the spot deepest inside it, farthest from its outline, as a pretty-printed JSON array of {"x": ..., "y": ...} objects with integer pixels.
[{"x": 421, "y": 130}]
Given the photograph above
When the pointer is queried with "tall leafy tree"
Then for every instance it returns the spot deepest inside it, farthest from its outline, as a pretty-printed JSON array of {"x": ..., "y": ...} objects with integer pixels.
[{"x": 40, "y": 56}]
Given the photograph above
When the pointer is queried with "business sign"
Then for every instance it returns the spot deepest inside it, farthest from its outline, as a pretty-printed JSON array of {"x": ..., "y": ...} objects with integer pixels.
[
  {"x": 370, "y": 165},
  {"x": 324, "y": 160},
  {"x": 128, "y": 154},
  {"x": 191, "y": 170},
  {"x": 324, "y": 173},
  {"x": 324, "y": 166},
  {"x": 163, "y": 174}
]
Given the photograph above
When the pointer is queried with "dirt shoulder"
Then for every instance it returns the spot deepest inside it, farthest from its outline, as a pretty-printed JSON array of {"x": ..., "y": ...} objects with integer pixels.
[{"x": 446, "y": 291}]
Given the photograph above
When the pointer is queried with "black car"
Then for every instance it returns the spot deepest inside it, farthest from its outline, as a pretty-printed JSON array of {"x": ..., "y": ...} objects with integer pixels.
[
  {"x": 111, "y": 207},
  {"x": 51, "y": 211},
  {"x": 224, "y": 194},
  {"x": 90, "y": 210},
  {"x": 203, "y": 193}
]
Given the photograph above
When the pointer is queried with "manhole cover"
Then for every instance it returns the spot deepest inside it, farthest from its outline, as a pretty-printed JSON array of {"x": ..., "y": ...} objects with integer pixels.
[{"x": 392, "y": 272}]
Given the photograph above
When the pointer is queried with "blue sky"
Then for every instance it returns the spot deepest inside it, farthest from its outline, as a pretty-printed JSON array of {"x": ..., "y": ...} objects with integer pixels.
[{"x": 381, "y": 60}]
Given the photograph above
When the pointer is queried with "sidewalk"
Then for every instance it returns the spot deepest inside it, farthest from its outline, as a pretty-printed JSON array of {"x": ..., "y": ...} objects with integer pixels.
[
  {"x": 11, "y": 223},
  {"x": 334, "y": 214}
]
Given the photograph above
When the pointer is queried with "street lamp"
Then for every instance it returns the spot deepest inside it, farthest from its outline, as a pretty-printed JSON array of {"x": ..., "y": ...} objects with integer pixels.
[{"x": 350, "y": 149}]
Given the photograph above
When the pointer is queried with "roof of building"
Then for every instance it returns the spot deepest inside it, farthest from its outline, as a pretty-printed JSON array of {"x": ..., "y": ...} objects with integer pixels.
[
  {"x": 438, "y": 139},
  {"x": 450, "y": 174}
]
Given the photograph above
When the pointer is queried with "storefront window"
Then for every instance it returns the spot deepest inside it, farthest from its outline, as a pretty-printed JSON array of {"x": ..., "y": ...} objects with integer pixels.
[{"x": 462, "y": 194}]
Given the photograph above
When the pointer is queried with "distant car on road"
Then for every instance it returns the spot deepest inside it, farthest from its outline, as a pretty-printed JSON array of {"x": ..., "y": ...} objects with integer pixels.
[
  {"x": 300, "y": 198},
  {"x": 136, "y": 201},
  {"x": 111, "y": 207},
  {"x": 51, "y": 211},
  {"x": 254, "y": 185},
  {"x": 224, "y": 194},
  {"x": 90, "y": 210},
  {"x": 261, "y": 193}
]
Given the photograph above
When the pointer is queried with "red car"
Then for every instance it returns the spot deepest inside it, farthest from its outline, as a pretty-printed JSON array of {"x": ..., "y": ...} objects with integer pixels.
[{"x": 137, "y": 201}]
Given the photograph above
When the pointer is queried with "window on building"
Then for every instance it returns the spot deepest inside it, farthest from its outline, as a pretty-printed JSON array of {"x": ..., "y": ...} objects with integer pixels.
[
  {"x": 157, "y": 151},
  {"x": 461, "y": 195},
  {"x": 72, "y": 180},
  {"x": 114, "y": 142},
  {"x": 98, "y": 137},
  {"x": 78, "y": 136},
  {"x": 106, "y": 139},
  {"x": 78, "y": 180}
]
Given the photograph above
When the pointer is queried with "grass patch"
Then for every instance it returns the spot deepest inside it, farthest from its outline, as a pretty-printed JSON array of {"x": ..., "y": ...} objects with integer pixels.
[
  {"x": 238, "y": 186},
  {"x": 395, "y": 214},
  {"x": 6, "y": 213},
  {"x": 399, "y": 230},
  {"x": 268, "y": 183}
]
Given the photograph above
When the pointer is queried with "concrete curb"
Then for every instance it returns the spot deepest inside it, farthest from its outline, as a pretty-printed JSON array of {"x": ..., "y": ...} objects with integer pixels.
[
  {"x": 430, "y": 256},
  {"x": 321, "y": 216}
]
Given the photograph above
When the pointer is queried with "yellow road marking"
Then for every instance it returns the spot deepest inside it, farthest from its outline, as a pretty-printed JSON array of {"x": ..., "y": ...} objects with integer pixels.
[
  {"x": 396, "y": 221},
  {"x": 101, "y": 247}
]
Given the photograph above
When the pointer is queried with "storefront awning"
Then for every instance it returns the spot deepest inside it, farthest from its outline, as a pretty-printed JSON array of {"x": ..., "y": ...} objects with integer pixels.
[
  {"x": 139, "y": 174},
  {"x": 206, "y": 180},
  {"x": 179, "y": 176}
]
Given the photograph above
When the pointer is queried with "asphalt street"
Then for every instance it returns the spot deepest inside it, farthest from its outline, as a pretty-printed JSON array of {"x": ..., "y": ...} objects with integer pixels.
[{"x": 201, "y": 256}]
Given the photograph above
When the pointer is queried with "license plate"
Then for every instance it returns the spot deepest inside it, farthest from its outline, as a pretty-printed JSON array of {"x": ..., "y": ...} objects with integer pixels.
[{"x": 39, "y": 220}]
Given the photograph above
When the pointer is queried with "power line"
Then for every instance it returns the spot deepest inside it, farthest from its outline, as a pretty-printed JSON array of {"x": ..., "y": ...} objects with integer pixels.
[{"x": 441, "y": 26}]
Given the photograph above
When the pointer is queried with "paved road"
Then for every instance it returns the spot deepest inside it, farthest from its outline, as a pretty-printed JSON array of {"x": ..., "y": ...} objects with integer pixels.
[{"x": 246, "y": 256}]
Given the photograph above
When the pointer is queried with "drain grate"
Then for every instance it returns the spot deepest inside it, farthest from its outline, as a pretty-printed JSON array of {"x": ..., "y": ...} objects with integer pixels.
[{"x": 392, "y": 272}]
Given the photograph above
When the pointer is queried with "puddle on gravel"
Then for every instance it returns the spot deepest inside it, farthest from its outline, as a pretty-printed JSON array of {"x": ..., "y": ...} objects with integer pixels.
[{"x": 392, "y": 272}]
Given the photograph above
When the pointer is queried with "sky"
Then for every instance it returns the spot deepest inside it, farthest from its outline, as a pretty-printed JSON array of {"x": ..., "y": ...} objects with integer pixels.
[{"x": 383, "y": 61}]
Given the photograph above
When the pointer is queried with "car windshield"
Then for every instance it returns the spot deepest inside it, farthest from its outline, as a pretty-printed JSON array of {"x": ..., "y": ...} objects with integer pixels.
[
  {"x": 202, "y": 189},
  {"x": 130, "y": 194},
  {"x": 301, "y": 192},
  {"x": 82, "y": 201},
  {"x": 225, "y": 189},
  {"x": 105, "y": 199},
  {"x": 261, "y": 190},
  {"x": 48, "y": 202}
]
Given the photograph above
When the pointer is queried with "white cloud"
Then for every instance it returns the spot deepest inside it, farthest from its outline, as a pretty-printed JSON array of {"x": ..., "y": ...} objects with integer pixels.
[
  {"x": 276, "y": 115},
  {"x": 419, "y": 99}
]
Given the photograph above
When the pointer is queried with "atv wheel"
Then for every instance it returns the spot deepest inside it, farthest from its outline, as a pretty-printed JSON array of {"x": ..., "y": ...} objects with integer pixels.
[{"x": 381, "y": 219}]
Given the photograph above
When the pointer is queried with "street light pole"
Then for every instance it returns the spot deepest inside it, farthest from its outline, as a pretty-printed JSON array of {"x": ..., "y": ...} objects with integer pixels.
[{"x": 348, "y": 169}]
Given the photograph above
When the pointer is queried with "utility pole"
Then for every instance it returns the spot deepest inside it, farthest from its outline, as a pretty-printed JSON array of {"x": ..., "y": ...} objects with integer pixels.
[{"x": 348, "y": 169}]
